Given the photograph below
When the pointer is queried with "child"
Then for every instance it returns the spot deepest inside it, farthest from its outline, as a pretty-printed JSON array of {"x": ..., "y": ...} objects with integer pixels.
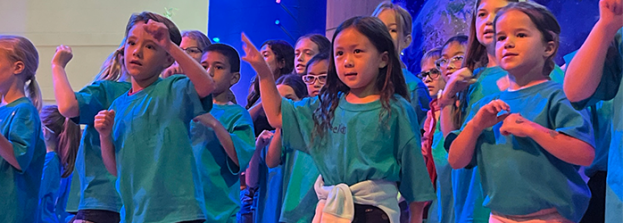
[
  {"x": 306, "y": 47},
  {"x": 223, "y": 139},
  {"x": 398, "y": 22},
  {"x": 316, "y": 73},
  {"x": 364, "y": 93},
  {"x": 594, "y": 75},
  {"x": 62, "y": 139},
  {"x": 194, "y": 43},
  {"x": 148, "y": 144},
  {"x": 528, "y": 131},
  {"x": 276, "y": 197},
  {"x": 21, "y": 143},
  {"x": 98, "y": 200}
]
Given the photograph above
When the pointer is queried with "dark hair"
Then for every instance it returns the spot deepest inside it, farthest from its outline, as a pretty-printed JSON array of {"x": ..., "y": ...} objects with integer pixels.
[
  {"x": 317, "y": 58},
  {"x": 544, "y": 21},
  {"x": 67, "y": 136},
  {"x": 324, "y": 45},
  {"x": 233, "y": 58},
  {"x": 433, "y": 53},
  {"x": 174, "y": 32},
  {"x": 295, "y": 82},
  {"x": 390, "y": 80},
  {"x": 283, "y": 53},
  {"x": 476, "y": 55},
  {"x": 203, "y": 42}
]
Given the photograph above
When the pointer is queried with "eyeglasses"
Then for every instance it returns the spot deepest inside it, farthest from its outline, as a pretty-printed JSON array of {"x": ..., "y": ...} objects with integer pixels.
[
  {"x": 455, "y": 60},
  {"x": 310, "y": 79},
  {"x": 192, "y": 50},
  {"x": 432, "y": 73}
]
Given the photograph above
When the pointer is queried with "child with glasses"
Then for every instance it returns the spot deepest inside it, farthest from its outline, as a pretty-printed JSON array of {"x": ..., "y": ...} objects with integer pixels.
[
  {"x": 194, "y": 43},
  {"x": 316, "y": 73}
]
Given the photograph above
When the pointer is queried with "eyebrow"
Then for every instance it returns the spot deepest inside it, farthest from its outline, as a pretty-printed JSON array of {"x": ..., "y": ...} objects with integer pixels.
[{"x": 321, "y": 73}]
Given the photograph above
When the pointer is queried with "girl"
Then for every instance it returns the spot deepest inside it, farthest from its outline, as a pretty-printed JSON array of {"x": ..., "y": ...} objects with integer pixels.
[
  {"x": 98, "y": 200},
  {"x": 398, "y": 22},
  {"x": 603, "y": 52},
  {"x": 274, "y": 187},
  {"x": 316, "y": 73},
  {"x": 62, "y": 139},
  {"x": 194, "y": 43},
  {"x": 21, "y": 145},
  {"x": 306, "y": 47},
  {"x": 530, "y": 130},
  {"x": 364, "y": 82}
]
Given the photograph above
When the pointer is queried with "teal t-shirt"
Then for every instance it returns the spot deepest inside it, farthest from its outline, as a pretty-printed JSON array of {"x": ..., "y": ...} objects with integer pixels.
[
  {"x": 359, "y": 147},
  {"x": 157, "y": 174},
  {"x": 445, "y": 197},
  {"x": 21, "y": 126},
  {"x": 269, "y": 198},
  {"x": 73, "y": 199},
  {"x": 219, "y": 175},
  {"x": 97, "y": 185},
  {"x": 419, "y": 96},
  {"x": 519, "y": 176},
  {"x": 298, "y": 194},
  {"x": 48, "y": 193},
  {"x": 610, "y": 88}
]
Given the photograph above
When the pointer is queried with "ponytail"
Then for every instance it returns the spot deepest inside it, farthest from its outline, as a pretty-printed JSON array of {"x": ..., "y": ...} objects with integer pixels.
[
  {"x": 66, "y": 137},
  {"x": 34, "y": 93}
]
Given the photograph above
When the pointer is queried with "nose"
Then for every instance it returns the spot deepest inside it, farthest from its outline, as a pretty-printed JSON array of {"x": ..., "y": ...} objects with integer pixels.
[
  {"x": 348, "y": 61},
  {"x": 509, "y": 43},
  {"x": 138, "y": 52}
]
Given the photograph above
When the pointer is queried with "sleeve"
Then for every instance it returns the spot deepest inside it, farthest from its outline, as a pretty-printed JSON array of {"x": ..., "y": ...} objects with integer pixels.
[
  {"x": 557, "y": 75},
  {"x": 420, "y": 100},
  {"x": 91, "y": 100},
  {"x": 297, "y": 123},
  {"x": 611, "y": 78},
  {"x": 25, "y": 130},
  {"x": 243, "y": 138},
  {"x": 569, "y": 121},
  {"x": 50, "y": 180},
  {"x": 183, "y": 88},
  {"x": 412, "y": 168}
]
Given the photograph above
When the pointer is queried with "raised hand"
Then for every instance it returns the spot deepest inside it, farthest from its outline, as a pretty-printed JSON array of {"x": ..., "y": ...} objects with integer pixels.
[
  {"x": 459, "y": 81},
  {"x": 104, "y": 121},
  {"x": 159, "y": 32},
  {"x": 173, "y": 69},
  {"x": 515, "y": 125},
  {"x": 263, "y": 139},
  {"x": 488, "y": 116},
  {"x": 611, "y": 14},
  {"x": 62, "y": 56},
  {"x": 206, "y": 119}
]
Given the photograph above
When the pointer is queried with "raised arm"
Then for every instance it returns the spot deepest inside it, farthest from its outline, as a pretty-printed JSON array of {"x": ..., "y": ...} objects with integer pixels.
[{"x": 65, "y": 97}]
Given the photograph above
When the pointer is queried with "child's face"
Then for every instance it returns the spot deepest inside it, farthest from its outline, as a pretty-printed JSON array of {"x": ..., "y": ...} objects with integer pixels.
[
  {"x": 270, "y": 58},
  {"x": 8, "y": 70},
  {"x": 316, "y": 77},
  {"x": 219, "y": 69},
  {"x": 451, "y": 59},
  {"x": 433, "y": 80},
  {"x": 143, "y": 58},
  {"x": 519, "y": 44},
  {"x": 389, "y": 19},
  {"x": 191, "y": 47},
  {"x": 357, "y": 61},
  {"x": 303, "y": 52},
  {"x": 484, "y": 20},
  {"x": 287, "y": 92}
]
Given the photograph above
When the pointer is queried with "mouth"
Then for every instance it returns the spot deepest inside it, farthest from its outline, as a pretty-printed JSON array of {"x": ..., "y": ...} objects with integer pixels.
[
  {"x": 315, "y": 92},
  {"x": 505, "y": 55},
  {"x": 353, "y": 74},
  {"x": 300, "y": 66},
  {"x": 136, "y": 62},
  {"x": 488, "y": 33}
]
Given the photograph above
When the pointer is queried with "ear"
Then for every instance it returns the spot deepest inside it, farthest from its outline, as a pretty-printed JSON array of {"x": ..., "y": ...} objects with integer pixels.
[
  {"x": 168, "y": 61},
  {"x": 18, "y": 67},
  {"x": 550, "y": 48},
  {"x": 384, "y": 60},
  {"x": 234, "y": 78},
  {"x": 281, "y": 64},
  {"x": 407, "y": 42}
]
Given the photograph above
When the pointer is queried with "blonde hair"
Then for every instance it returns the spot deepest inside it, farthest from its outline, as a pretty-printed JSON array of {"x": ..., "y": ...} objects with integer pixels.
[
  {"x": 18, "y": 48},
  {"x": 112, "y": 69},
  {"x": 403, "y": 17}
]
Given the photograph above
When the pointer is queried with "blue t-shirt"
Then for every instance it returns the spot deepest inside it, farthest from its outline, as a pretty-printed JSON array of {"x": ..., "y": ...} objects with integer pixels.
[
  {"x": 97, "y": 185},
  {"x": 219, "y": 175},
  {"x": 53, "y": 192},
  {"x": 419, "y": 96},
  {"x": 519, "y": 176},
  {"x": 269, "y": 196},
  {"x": 359, "y": 147},
  {"x": 157, "y": 174},
  {"x": 21, "y": 126}
]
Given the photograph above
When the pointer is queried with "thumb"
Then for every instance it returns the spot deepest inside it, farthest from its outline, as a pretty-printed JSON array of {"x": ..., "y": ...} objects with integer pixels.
[{"x": 111, "y": 113}]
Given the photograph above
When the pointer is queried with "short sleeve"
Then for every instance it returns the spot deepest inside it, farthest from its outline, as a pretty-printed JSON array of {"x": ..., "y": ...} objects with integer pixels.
[
  {"x": 24, "y": 132},
  {"x": 243, "y": 138},
  {"x": 575, "y": 123},
  {"x": 611, "y": 75},
  {"x": 449, "y": 139},
  {"x": 297, "y": 123},
  {"x": 96, "y": 97},
  {"x": 412, "y": 166},
  {"x": 183, "y": 88}
]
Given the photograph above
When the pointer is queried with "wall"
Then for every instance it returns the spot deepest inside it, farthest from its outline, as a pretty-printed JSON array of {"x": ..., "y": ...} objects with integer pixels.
[
  {"x": 338, "y": 11},
  {"x": 92, "y": 28}
]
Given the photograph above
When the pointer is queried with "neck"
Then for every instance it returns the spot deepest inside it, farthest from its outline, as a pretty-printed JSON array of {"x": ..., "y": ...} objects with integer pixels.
[
  {"x": 491, "y": 57},
  {"x": 14, "y": 92},
  {"x": 363, "y": 95},
  {"x": 50, "y": 148},
  {"x": 221, "y": 98},
  {"x": 138, "y": 85},
  {"x": 519, "y": 79}
]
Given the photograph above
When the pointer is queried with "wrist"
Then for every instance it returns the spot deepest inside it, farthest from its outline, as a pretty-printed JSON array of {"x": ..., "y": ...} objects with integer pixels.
[
  {"x": 474, "y": 127},
  {"x": 57, "y": 66},
  {"x": 445, "y": 99},
  {"x": 609, "y": 29},
  {"x": 169, "y": 45}
]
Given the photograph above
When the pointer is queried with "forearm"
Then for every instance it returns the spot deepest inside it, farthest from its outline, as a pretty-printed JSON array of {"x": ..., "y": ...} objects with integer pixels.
[
  {"x": 273, "y": 156},
  {"x": 416, "y": 212},
  {"x": 108, "y": 154},
  {"x": 224, "y": 137},
  {"x": 584, "y": 72},
  {"x": 564, "y": 147},
  {"x": 252, "y": 173},
  {"x": 7, "y": 153},
  {"x": 271, "y": 99},
  {"x": 445, "y": 120},
  {"x": 65, "y": 96},
  {"x": 463, "y": 147},
  {"x": 204, "y": 84}
]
